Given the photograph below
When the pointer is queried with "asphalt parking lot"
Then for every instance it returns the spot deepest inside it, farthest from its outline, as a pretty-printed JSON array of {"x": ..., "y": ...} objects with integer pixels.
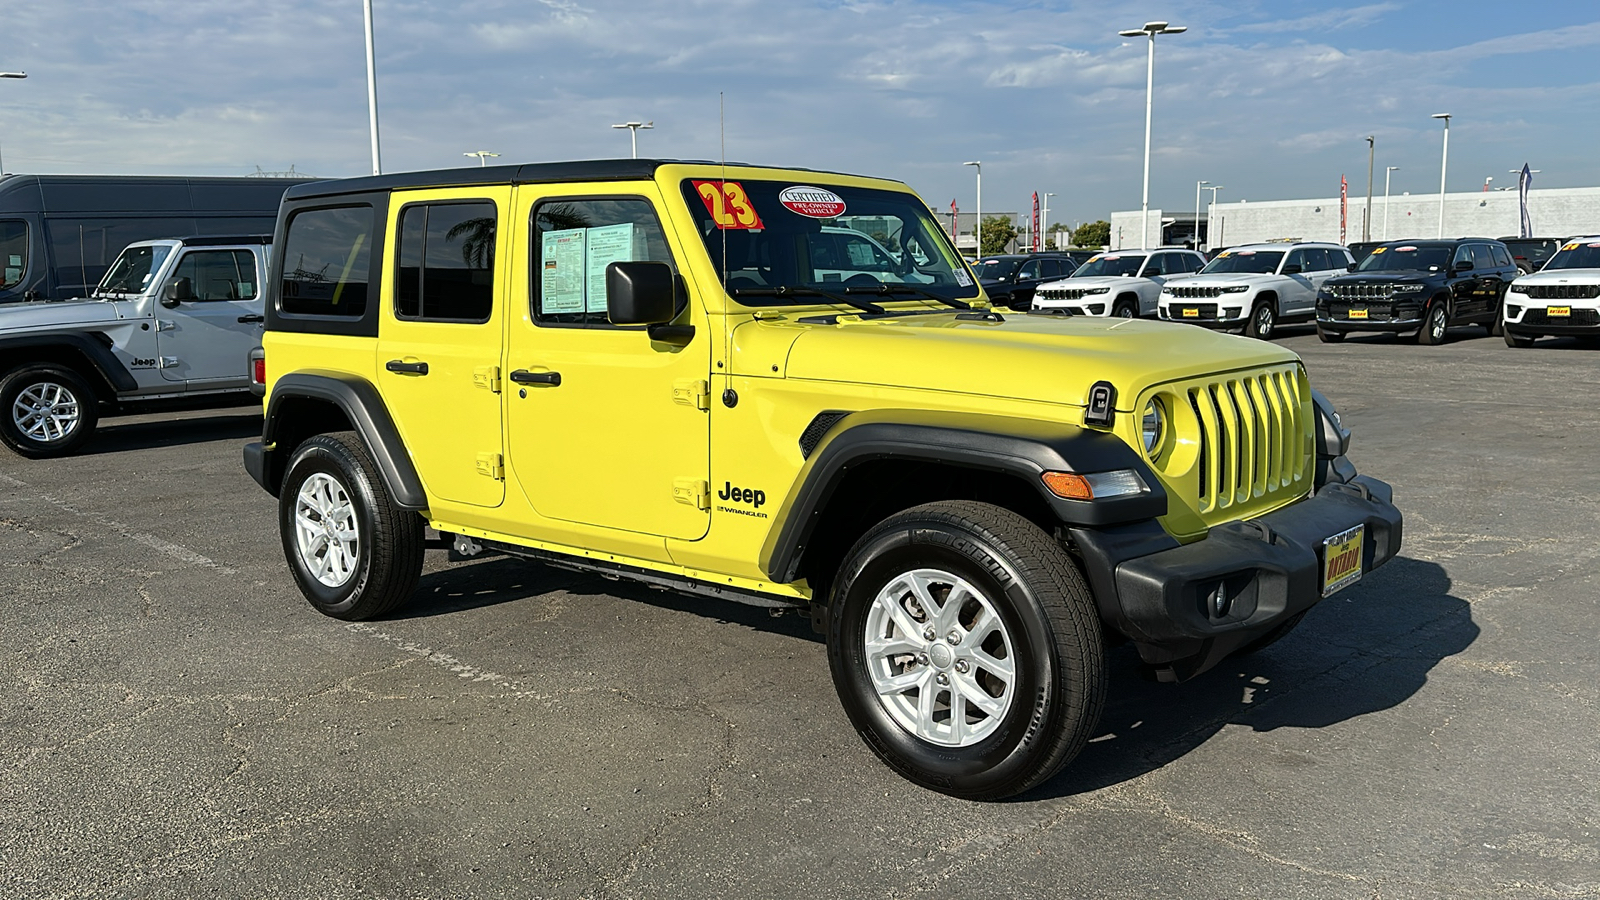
[{"x": 179, "y": 722}]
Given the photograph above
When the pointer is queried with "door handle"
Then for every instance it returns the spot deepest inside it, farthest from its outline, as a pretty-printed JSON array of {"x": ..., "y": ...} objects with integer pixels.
[
  {"x": 405, "y": 368},
  {"x": 523, "y": 376},
  {"x": 251, "y": 320}
]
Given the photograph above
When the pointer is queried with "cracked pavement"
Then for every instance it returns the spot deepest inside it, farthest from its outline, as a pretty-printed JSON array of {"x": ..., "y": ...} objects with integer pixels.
[{"x": 178, "y": 721}]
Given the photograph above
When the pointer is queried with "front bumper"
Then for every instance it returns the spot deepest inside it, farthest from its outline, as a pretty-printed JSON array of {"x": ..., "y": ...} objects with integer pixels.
[
  {"x": 1524, "y": 319},
  {"x": 1228, "y": 312},
  {"x": 1164, "y": 595}
]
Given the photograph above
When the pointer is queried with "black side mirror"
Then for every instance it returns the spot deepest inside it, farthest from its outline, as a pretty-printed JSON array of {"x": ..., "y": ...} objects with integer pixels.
[
  {"x": 1464, "y": 265},
  {"x": 1351, "y": 267},
  {"x": 640, "y": 293},
  {"x": 177, "y": 291},
  {"x": 1291, "y": 270}
]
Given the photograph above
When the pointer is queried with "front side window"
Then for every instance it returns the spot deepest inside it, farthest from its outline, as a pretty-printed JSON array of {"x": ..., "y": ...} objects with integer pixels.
[
  {"x": 13, "y": 252},
  {"x": 1033, "y": 268},
  {"x": 130, "y": 275},
  {"x": 1111, "y": 264},
  {"x": 763, "y": 236},
  {"x": 1463, "y": 255},
  {"x": 1482, "y": 259},
  {"x": 327, "y": 256},
  {"x": 1244, "y": 262},
  {"x": 446, "y": 262},
  {"x": 219, "y": 274},
  {"x": 574, "y": 240},
  {"x": 994, "y": 269}
]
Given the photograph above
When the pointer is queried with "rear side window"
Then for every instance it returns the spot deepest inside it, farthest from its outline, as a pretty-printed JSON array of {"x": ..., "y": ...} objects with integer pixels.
[
  {"x": 573, "y": 242},
  {"x": 327, "y": 255},
  {"x": 446, "y": 262},
  {"x": 13, "y": 252},
  {"x": 219, "y": 274}
]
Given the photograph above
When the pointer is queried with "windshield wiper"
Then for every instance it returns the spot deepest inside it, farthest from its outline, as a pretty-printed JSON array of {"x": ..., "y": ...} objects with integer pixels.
[
  {"x": 784, "y": 290},
  {"x": 885, "y": 290}
]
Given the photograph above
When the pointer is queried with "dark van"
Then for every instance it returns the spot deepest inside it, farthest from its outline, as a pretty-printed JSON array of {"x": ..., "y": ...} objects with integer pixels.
[{"x": 58, "y": 233}]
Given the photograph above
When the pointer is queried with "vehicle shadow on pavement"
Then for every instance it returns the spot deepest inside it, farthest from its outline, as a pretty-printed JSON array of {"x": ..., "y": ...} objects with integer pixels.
[
  {"x": 1366, "y": 649},
  {"x": 122, "y": 437},
  {"x": 503, "y": 579}
]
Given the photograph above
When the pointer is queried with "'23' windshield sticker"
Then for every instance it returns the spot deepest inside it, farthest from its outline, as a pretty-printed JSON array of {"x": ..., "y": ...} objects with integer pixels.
[{"x": 729, "y": 205}]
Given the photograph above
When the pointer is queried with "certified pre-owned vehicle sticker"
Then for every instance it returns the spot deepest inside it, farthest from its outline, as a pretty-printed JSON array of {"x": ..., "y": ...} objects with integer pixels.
[
  {"x": 812, "y": 201},
  {"x": 729, "y": 205}
]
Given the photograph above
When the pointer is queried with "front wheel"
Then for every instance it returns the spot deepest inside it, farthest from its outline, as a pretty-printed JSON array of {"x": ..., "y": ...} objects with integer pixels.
[
  {"x": 354, "y": 554},
  {"x": 965, "y": 647},
  {"x": 46, "y": 411},
  {"x": 1512, "y": 340},
  {"x": 1329, "y": 337},
  {"x": 1125, "y": 310},
  {"x": 1435, "y": 325},
  {"x": 1263, "y": 321}
]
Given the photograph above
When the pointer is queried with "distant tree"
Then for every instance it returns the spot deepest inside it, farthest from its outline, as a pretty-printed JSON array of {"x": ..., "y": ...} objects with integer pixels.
[
  {"x": 1053, "y": 236},
  {"x": 997, "y": 233},
  {"x": 1092, "y": 234}
]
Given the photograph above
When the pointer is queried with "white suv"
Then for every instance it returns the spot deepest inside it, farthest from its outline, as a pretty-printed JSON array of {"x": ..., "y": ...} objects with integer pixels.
[
  {"x": 1125, "y": 283},
  {"x": 1256, "y": 286},
  {"x": 1563, "y": 298}
]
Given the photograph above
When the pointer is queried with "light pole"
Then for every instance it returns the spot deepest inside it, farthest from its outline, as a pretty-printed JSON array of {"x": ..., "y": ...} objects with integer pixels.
[
  {"x": 1044, "y": 221},
  {"x": 1211, "y": 212},
  {"x": 372, "y": 91},
  {"x": 1387, "y": 171},
  {"x": 1444, "y": 162},
  {"x": 1197, "y": 186},
  {"x": 1486, "y": 180},
  {"x": 9, "y": 75},
  {"x": 633, "y": 133},
  {"x": 480, "y": 154},
  {"x": 1366, "y": 224},
  {"x": 977, "y": 228},
  {"x": 1152, "y": 29}
]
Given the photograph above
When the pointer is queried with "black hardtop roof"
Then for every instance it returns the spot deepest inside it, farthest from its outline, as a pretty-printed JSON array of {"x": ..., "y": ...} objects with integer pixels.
[
  {"x": 1433, "y": 242},
  {"x": 525, "y": 173},
  {"x": 215, "y": 240}
]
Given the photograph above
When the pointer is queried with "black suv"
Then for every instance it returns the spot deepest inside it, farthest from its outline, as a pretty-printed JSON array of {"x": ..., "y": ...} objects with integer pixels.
[
  {"x": 1530, "y": 254},
  {"x": 1011, "y": 279},
  {"x": 1418, "y": 289}
]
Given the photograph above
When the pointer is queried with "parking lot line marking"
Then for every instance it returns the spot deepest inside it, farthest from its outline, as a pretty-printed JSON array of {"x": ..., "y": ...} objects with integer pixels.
[
  {"x": 164, "y": 547},
  {"x": 446, "y": 661}
]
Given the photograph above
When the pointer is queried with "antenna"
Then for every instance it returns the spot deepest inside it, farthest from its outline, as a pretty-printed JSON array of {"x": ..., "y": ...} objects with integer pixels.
[{"x": 722, "y": 136}]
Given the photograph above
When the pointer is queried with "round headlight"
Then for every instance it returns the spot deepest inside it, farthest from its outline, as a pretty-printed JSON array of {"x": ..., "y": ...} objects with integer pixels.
[{"x": 1154, "y": 423}]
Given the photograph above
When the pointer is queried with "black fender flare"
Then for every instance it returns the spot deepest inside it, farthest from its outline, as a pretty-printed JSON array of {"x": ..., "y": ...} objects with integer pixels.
[
  {"x": 363, "y": 406},
  {"x": 1026, "y": 448},
  {"x": 94, "y": 346}
]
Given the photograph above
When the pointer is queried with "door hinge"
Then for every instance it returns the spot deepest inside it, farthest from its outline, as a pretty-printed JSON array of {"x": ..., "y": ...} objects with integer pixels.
[
  {"x": 695, "y": 492},
  {"x": 487, "y": 377},
  {"x": 167, "y": 362},
  {"x": 492, "y": 465},
  {"x": 165, "y": 325},
  {"x": 692, "y": 392}
]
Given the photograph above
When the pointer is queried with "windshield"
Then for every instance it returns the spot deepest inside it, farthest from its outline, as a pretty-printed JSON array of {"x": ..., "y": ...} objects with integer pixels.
[
  {"x": 1576, "y": 255},
  {"x": 1408, "y": 257},
  {"x": 772, "y": 237},
  {"x": 131, "y": 273},
  {"x": 1110, "y": 264},
  {"x": 1244, "y": 262},
  {"x": 996, "y": 269}
]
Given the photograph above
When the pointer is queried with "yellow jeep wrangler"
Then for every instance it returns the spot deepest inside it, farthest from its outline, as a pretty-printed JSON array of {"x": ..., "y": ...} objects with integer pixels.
[{"x": 784, "y": 387}]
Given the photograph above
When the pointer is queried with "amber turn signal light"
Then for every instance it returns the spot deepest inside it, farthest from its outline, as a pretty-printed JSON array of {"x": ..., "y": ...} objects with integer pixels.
[{"x": 1068, "y": 486}]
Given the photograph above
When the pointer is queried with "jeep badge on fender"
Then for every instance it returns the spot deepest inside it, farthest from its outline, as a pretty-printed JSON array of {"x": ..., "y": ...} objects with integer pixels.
[{"x": 964, "y": 534}]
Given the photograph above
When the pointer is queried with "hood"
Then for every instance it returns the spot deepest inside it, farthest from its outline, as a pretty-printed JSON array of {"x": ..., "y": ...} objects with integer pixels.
[
  {"x": 1395, "y": 276},
  {"x": 1560, "y": 276},
  {"x": 1053, "y": 359},
  {"x": 29, "y": 316}
]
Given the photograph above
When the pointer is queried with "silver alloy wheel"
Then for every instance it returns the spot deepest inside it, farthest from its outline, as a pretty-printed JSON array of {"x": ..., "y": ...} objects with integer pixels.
[
  {"x": 325, "y": 530},
  {"x": 1436, "y": 323},
  {"x": 1264, "y": 321},
  {"x": 940, "y": 658},
  {"x": 46, "y": 412}
]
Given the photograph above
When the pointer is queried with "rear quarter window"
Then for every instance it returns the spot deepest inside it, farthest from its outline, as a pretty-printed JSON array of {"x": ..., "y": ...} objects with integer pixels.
[{"x": 327, "y": 256}]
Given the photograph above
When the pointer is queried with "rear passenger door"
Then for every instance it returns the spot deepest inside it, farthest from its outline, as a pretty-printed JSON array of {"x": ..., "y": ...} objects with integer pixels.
[
  {"x": 1491, "y": 281},
  {"x": 439, "y": 337},
  {"x": 200, "y": 340}
]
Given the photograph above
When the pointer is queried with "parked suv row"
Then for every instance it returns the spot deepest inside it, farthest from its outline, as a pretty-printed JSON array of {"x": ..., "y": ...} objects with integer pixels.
[
  {"x": 1419, "y": 289},
  {"x": 1255, "y": 287},
  {"x": 1122, "y": 283}
]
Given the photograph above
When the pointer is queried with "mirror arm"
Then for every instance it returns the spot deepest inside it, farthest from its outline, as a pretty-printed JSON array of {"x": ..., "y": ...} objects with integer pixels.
[{"x": 670, "y": 333}]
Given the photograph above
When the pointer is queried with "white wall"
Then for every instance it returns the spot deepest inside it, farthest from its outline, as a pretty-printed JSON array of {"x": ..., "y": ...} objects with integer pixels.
[{"x": 1125, "y": 230}]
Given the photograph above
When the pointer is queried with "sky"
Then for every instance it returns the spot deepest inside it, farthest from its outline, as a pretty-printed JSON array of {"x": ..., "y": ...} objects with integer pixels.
[{"x": 1271, "y": 100}]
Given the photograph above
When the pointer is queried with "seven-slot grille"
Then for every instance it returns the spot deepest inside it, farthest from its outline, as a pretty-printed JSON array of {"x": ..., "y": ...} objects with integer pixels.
[
  {"x": 1363, "y": 291},
  {"x": 1063, "y": 293},
  {"x": 1578, "y": 317},
  {"x": 1253, "y": 437},
  {"x": 1562, "y": 291},
  {"x": 1190, "y": 293}
]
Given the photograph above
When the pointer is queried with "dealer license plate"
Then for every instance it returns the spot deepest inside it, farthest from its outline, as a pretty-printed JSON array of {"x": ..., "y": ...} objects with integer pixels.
[
  {"x": 1358, "y": 314},
  {"x": 1341, "y": 559},
  {"x": 1563, "y": 311},
  {"x": 1191, "y": 312}
]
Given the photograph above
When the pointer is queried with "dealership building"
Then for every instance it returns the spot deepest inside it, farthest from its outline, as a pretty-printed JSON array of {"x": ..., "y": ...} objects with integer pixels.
[{"x": 1555, "y": 212}]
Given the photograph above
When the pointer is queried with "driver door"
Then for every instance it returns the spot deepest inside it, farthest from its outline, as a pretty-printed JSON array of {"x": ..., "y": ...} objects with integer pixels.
[
  {"x": 1300, "y": 296},
  {"x": 201, "y": 340}
]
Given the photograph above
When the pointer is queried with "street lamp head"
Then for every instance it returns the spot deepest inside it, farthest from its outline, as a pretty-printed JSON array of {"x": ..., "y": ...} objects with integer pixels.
[
  {"x": 13, "y": 74},
  {"x": 1444, "y": 116},
  {"x": 978, "y": 163},
  {"x": 1132, "y": 32}
]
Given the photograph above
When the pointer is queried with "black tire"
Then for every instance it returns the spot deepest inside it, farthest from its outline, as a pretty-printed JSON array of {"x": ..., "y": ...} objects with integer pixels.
[
  {"x": 1329, "y": 337},
  {"x": 1263, "y": 321},
  {"x": 1512, "y": 340},
  {"x": 1277, "y": 634},
  {"x": 1125, "y": 309},
  {"x": 35, "y": 401},
  {"x": 387, "y": 557},
  {"x": 1047, "y": 622},
  {"x": 1497, "y": 325},
  {"x": 1435, "y": 324}
]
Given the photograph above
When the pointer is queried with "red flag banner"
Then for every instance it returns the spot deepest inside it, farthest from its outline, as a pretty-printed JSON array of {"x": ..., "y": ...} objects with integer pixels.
[
  {"x": 1037, "y": 244},
  {"x": 1344, "y": 207},
  {"x": 955, "y": 231}
]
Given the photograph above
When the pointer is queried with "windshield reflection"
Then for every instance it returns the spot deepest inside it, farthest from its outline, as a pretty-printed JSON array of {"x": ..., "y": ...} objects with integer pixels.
[{"x": 131, "y": 273}]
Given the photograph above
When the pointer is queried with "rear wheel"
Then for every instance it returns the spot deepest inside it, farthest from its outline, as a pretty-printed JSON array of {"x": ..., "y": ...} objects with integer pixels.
[
  {"x": 354, "y": 554},
  {"x": 1329, "y": 337},
  {"x": 1435, "y": 324},
  {"x": 1263, "y": 321},
  {"x": 966, "y": 650},
  {"x": 46, "y": 411}
]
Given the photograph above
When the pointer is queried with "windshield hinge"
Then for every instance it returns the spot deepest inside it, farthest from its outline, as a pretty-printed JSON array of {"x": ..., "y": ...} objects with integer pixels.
[{"x": 692, "y": 392}]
